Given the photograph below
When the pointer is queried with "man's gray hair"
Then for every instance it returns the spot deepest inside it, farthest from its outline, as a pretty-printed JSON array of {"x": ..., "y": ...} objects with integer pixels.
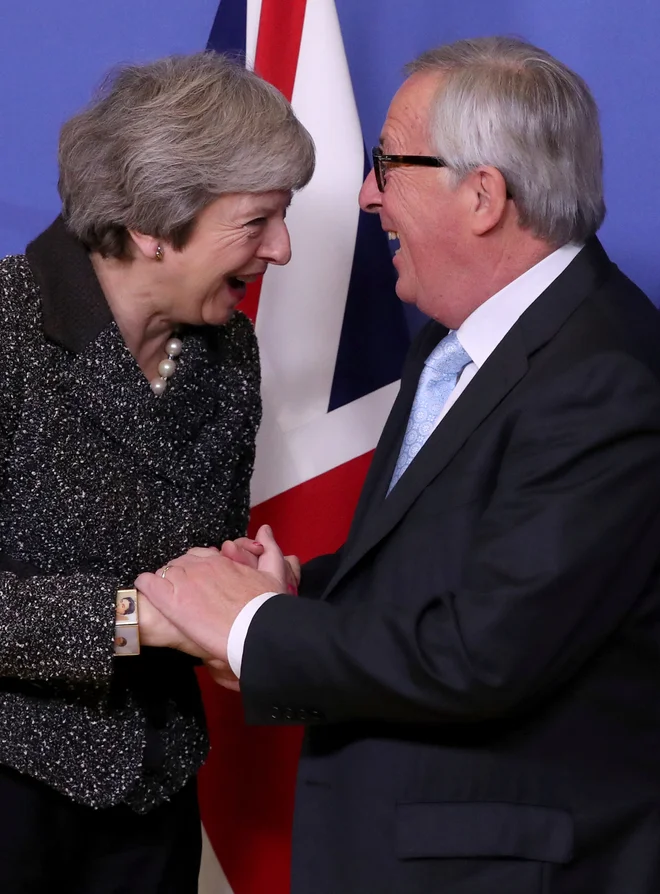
[
  {"x": 506, "y": 103},
  {"x": 161, "y": 141}
]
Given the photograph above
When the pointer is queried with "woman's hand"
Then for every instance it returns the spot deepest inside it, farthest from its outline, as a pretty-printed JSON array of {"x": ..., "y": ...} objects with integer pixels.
[{"x": 264, "y": 554}]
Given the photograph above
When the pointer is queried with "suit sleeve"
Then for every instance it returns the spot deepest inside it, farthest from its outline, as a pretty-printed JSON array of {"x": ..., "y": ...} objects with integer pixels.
[
  {"x": 564, "y": 550},
  {"x": 317, "y": 573}
]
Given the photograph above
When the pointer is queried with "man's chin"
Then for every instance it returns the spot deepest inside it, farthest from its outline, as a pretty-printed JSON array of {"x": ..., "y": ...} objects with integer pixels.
[{"x": 404, "y": 294}]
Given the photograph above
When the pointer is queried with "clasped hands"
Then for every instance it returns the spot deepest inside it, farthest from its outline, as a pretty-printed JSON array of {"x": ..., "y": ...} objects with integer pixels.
[{"x": 193, "y": 607}]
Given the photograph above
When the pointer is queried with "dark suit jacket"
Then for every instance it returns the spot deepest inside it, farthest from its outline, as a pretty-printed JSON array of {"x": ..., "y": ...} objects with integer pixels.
[{"x": 481, "y": 675}]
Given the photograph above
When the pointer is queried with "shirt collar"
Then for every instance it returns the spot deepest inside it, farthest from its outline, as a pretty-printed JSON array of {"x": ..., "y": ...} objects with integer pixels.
[{"x": 485, "y": 328}]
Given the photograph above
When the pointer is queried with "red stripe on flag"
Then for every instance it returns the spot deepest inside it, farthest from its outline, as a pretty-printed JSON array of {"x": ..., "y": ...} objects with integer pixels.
[
  {"x": 250, "y": 304},
  {"x": 314, "y": 517},
  {"x": 247, "y": 786},
  {"x": 278, "y": 47},
  {"x": 246, "y": 791},
  {"x": 278, "y": 44}
]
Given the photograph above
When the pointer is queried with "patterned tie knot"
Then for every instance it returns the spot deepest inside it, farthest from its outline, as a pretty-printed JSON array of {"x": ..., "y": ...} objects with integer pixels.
[{"x": 448, "y": 358}]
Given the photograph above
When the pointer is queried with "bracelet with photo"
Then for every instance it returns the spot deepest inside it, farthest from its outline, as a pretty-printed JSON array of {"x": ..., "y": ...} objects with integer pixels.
[{"x": 127, "y": 630}]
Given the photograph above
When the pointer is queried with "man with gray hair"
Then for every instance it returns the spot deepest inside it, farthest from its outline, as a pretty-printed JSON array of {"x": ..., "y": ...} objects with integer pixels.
[{"x": 479, "y": 666}]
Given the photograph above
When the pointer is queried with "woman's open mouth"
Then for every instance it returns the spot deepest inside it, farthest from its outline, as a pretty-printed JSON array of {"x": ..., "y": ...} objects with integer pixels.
[{"x": 236, "y": 284}]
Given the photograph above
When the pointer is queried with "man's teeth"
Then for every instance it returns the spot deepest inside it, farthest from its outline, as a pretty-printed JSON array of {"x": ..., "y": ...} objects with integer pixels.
[{"x": 392, "y": 235}]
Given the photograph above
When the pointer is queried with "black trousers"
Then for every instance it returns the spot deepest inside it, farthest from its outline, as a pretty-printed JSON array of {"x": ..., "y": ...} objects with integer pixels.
[{"x": 47, "y": 842}]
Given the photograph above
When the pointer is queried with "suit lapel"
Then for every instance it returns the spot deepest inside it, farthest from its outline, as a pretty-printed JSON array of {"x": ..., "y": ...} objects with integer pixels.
[
  {"x": 377, "y": 515},
  {"x": 389, "y": 443}
]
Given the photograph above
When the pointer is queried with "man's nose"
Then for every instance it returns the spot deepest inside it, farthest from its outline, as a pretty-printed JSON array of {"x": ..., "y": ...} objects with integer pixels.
[{"x": 371, "y": 198}]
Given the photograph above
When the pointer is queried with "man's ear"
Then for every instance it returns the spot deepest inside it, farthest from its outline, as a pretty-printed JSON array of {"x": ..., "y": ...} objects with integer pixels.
[
  {"x": 488, "y": 198},
  {"x": 146, "y": 245}
]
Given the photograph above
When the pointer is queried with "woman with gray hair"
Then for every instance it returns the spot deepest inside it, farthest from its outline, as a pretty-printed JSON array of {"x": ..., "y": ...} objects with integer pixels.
[{"x": 129, "y": 408}]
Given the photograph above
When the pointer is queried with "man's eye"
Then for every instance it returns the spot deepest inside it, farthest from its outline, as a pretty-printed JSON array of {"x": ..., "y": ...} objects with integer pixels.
[{"x": 257, "y": 222}]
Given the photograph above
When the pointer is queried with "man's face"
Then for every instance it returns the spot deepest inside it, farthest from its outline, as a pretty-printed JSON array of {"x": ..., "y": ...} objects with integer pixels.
[{"x": 418, "y": 205}]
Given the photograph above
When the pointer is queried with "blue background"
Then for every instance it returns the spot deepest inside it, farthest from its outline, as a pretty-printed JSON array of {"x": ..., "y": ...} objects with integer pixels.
[{"x": 53, "y": 54}]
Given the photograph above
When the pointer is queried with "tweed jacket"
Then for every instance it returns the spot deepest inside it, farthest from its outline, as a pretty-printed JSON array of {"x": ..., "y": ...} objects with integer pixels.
[{"x": 100, "y": 480}]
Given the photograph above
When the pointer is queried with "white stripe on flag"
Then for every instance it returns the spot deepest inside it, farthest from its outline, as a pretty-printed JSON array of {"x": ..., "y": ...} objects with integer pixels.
[
  {"x": 212, "y": 879},
  {"x": 287, "y": 458},
  {"x": 302, "y": 305},
  {"x": 252, "y": 31}
]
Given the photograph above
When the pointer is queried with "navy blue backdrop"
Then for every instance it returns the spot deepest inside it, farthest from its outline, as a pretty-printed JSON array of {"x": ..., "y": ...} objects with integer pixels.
[{"x": 53, "y": 54}]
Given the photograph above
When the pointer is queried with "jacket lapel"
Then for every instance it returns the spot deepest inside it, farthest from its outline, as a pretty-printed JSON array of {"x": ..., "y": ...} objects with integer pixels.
[
  {"x": 389, "y": 443},
  {"x": 377, "y": 514}
]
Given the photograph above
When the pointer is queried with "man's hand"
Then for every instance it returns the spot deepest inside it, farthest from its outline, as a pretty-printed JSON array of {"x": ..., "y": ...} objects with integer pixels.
[
  {"x": 157, "y": 630},
  {"x": 264, "y": 555},
  {"x": 203, "y": 592}
]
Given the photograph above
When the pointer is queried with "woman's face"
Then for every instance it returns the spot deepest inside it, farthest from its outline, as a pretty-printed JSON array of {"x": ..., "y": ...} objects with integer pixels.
[
  {"x": 123, "y": 607},
  {"x": 234, "y": 240}
]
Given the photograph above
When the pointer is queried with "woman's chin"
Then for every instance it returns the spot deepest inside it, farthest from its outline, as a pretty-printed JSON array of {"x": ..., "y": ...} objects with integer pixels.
[
  {"x": 217, "y": 319},
  {"x": 218, "y": 316},
  {"x": 221, "y": 309}
]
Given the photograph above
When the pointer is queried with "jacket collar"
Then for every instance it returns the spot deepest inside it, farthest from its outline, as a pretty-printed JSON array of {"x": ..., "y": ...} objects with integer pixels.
[{"x": 73, "y": 304}]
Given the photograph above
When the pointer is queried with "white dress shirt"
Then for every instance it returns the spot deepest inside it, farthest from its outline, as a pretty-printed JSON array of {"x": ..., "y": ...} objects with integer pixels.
[{"x": 480, "y": 334}]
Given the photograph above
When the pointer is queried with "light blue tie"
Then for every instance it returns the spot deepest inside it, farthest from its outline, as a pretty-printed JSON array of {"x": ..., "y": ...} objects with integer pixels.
[{"x": 437, "y": 381}]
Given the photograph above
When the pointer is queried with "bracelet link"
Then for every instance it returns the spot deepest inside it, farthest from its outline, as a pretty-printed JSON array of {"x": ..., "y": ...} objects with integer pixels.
[{"x": 127, "y": 628}]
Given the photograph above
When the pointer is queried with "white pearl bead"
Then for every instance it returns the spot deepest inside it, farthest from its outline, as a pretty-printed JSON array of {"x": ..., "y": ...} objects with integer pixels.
[
  {"x": 174, "y": 347},
  {"x": 158, "y": 386},
  {"x": 166, "y": 368}
]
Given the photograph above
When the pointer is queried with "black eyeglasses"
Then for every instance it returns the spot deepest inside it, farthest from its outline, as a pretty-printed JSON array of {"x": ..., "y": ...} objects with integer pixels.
[
  {"x": 423, "y": 161},
  {"x": 381, "y": 161}
]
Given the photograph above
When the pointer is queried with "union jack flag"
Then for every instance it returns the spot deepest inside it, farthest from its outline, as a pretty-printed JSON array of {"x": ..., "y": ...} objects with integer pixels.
[{"x": 332, "y": 337}]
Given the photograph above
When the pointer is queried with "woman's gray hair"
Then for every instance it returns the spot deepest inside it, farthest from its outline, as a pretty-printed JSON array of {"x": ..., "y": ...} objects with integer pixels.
[
  {"x": 506, "y": 103},
  {"x": 162, "y": 140}
]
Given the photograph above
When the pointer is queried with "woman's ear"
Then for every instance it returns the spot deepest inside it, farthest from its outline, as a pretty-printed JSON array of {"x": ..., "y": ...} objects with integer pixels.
[{"x": 149, "y": 246}]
